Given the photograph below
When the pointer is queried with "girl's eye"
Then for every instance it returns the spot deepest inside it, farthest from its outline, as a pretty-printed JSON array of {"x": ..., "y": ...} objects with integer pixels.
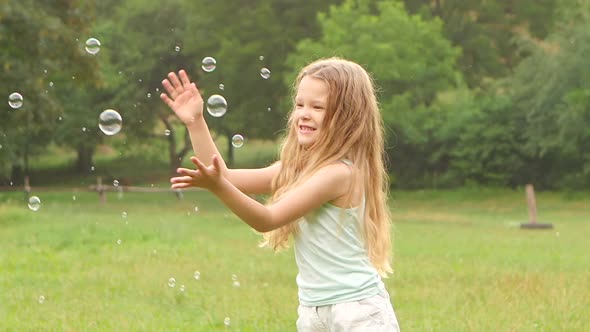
[
  {"x": 318, "y": 107},
  {"x": 299, "y": 105}
]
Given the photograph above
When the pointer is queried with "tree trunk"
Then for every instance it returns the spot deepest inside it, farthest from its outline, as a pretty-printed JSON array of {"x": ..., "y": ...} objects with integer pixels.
[
  {"x": 84, "y": 158},
  {"x": 16, "y": 174}
]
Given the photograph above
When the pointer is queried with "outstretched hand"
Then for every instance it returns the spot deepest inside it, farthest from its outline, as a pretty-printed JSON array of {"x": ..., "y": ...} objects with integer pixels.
[
  {"x": 183, "y": 97},
  {"x": 209, "y": 178}
]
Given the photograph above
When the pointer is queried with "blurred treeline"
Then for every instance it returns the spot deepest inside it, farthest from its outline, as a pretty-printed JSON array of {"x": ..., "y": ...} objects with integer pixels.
[{"x": 473, "y": 92}]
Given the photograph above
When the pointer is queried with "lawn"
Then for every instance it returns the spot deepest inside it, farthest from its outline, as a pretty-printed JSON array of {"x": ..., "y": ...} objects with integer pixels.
[{"x": 461, "y": 264}]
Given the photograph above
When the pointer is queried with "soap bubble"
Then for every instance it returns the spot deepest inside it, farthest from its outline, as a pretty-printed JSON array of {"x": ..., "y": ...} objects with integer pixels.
[
  {"x": 237, "y": 141},
  {"x": 171, "y": 282},
  {"x": 110, "y": 122},
  {"x": 34, "y": 203},
  {"x": 92, "y": 46},
  {"x": 216, "y": 105},
  {"x": 15, "y": 100},
  {"x": 265, "y": 73},
  {"x": 209, "y": 64}
]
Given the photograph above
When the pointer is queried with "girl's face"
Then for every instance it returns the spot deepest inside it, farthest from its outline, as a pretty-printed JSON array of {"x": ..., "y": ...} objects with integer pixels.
[{"x": 310, "y": 109}]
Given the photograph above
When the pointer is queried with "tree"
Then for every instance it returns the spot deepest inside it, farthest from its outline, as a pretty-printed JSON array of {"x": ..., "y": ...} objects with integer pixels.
[
  {"x": 412, "y": 63},
  {"x": 551, "y": 88},
  {"x": 486, "y": 31},
  {"x": 40, "y": 47}
]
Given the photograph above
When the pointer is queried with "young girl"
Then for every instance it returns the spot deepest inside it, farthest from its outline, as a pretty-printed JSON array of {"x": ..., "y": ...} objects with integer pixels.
[{"x": 328, "y": 191}]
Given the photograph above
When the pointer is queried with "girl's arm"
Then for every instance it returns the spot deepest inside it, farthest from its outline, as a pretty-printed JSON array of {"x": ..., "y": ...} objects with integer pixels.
[
  {"x": 325, "y": 185},
  {"x": 185, "y": 100}
]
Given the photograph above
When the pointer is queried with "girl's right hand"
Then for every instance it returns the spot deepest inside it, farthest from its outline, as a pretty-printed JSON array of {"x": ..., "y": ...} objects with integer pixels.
[{"x": 183, "y": 97}]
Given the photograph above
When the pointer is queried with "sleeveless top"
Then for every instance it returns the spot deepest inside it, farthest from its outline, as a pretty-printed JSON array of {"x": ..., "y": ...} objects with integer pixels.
[{"x": 333, "y": 262}]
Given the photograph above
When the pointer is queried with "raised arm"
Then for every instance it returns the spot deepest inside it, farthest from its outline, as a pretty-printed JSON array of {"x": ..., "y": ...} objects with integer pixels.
[
  {"x": 185, "y": 100},
  {"x": 327, "y": 184}
]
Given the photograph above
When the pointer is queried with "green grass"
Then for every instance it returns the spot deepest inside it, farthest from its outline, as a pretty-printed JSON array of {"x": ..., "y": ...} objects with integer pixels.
[{"x": 461, "y": 264}]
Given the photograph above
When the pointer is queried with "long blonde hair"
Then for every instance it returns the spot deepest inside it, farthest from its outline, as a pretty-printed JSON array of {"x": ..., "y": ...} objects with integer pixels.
[{"x": 352, "y": 129}]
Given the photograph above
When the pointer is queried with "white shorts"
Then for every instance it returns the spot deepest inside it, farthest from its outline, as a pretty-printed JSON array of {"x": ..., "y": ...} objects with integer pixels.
[{"x": 374, "y": 314}]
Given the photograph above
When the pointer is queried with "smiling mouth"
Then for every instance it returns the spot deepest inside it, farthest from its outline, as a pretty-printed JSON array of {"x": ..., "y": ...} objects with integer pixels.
[{"x": 306, "y": 129}]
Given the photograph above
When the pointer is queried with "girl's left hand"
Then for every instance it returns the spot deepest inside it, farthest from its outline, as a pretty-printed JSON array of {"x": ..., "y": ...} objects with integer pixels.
[{"x": 205, "y": 177}]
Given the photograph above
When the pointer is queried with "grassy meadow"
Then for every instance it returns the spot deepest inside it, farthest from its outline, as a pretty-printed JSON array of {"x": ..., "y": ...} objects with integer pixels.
[
  {"x": 462, "y": 264},
  {"x": 461, "y": 261}
]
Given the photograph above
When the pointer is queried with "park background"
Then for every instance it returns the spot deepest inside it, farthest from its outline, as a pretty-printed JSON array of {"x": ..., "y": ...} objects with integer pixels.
[{"x": 479, "y": 99}]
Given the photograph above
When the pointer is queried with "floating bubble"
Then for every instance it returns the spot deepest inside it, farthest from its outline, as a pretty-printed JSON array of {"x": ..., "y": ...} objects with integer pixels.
[
  {"x": 92, "y": 46},
  {"x": 216, "y": 105},
  {"x": 110, "y": 122},
  {"x": 119, "y": 241},
  {"x": 261, "y": 57},
  {"x": 265, "y": 73},
  {"x": 51, "y": 84},
  {"x": 41, "y": 299},
  {"x": 149, "y": 95},
  {"x": 237, "y": 141},
  {"x": 221, "y": 86},
  {"x": 196, "y": 209},
  {"x": 197, "y": 275},
  {"x": 171, "y": 282},
  {"x": 167, "y": 132},
  {"x": 116, "y": 183},
  {"x": 209, "y": 64},
  {"x": 84, "y": 129},
  {"x": 124, "y": 215},
  {"x": 182, "y": 288},
  {"x": 269, "y": 109},
  {"x": 227, "y": 321},
  {"x": 236, "y": 283},
  {"x": 177, "y": 48},
  {"x": 74, "y": 198},
  {"x": 92, "y": 168},
  {"x": 234, "y": 277},
  {"x": 34, "y": 203},
  {"x": 15, "y": 100}
]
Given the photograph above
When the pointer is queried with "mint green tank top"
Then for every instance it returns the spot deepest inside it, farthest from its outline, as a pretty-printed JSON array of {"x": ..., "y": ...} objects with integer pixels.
[{"x": 333, "y": 262}]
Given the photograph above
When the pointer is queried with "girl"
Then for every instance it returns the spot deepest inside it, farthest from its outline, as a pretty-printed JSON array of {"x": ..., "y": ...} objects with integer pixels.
[{"x": 328, "y": 190}]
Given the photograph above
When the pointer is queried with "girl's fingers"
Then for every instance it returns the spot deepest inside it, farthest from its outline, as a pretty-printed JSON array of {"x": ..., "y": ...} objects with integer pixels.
[
  {"x": 194, "y": 89},
  {"x": 166, "y": 99},
  {"x": 199, "y": 164},
  {"x": 169, "y": 88},
  {"x": 179, "y": 179},
  {"x": 180, "y": 185},
  {"x": 175, "y": 82},
  {"x": 216, "y": 162},
  {"x": 186, "y": 171},
  {"x": 186, "y": 82}
]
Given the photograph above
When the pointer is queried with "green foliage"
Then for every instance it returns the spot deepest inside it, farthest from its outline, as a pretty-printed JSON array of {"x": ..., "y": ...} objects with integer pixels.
[
  {"x": 411, "y": 62},
  {"x": 551, "y": 88},
  {"x": 485, "y": 30},
  {"x": 41, "y": 43}
]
